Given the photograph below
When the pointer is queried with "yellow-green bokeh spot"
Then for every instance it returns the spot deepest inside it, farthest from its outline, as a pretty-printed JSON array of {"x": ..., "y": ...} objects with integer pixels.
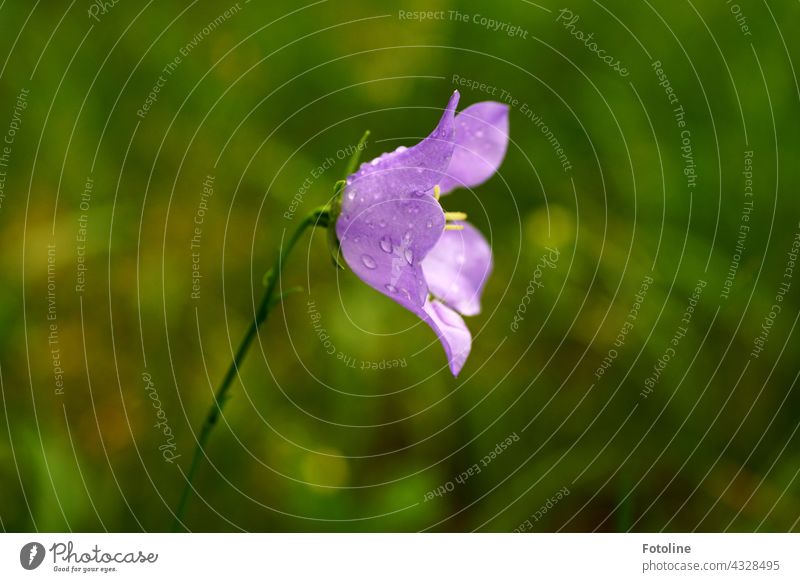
[
  {"x": 552, "y": 225},
  {"x": 325, "y": 471}
]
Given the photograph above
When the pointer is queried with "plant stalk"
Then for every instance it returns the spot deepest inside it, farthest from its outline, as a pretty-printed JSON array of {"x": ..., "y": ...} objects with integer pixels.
[{"x": 319, "y": 217}]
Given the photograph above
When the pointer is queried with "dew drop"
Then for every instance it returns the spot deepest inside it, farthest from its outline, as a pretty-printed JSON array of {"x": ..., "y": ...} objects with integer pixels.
[
  {"x": 409, "y": 255},
  {"x": 391, "y": 288},
  {"x": 351, "y": 195},
  {"x": 401, "y": 149},
  {"x": 386, "y": 245},
  {"x": 368, "y": 261},
  {"x": 429, "y": 224},
  {"x": 382, "y": 223},
  {"x": 407, "y": 235},
  {"x": 375, "y": 162}
]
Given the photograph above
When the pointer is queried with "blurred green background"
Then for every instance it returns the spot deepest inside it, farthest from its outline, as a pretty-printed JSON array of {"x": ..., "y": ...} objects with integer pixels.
[{"x": 310, "y": 441}]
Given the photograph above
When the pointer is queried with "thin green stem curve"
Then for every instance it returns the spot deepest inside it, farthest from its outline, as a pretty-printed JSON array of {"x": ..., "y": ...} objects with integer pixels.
[{"x": 319, "y": 217}]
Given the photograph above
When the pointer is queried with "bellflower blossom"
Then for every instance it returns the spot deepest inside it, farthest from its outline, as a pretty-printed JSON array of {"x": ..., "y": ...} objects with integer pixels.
[{"x": 394, "y": 234}]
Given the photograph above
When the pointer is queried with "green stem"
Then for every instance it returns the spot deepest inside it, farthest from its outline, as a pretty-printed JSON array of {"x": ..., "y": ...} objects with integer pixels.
[{"x": 317, "y": 218}]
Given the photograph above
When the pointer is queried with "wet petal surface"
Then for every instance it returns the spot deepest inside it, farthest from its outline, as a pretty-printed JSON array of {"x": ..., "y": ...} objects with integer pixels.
[
  {"x": 386, "y": 242},
  {"x": 405, "y": 170}
]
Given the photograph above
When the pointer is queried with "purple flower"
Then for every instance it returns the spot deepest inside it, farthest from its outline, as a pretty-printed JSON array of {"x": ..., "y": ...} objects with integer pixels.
[{"x": 396, "y": 237}]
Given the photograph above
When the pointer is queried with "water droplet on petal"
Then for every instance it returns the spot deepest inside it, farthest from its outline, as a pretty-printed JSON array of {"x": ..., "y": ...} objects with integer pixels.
[
  {"x": 401, "y": 149},
  {"x": 375, "y": 162},
  {"x": 391, "y": 288},
  {"x": 351, "y": 195},
  {"x": 368, "y": 261},
  {"x": 382, "y": 224},
  {"x": 409, "y": 255},
  {"x": 407, "y": 235},
  {"x": 429, "y": 224},
  {"x": 386, "y": 245}
]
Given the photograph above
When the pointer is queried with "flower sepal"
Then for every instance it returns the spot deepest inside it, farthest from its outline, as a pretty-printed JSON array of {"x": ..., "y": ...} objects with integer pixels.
[{"x": 335, "y": 209}]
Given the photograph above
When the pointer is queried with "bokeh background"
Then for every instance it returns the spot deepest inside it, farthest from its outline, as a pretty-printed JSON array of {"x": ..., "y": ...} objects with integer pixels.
[{"x": 104, "y": 348}]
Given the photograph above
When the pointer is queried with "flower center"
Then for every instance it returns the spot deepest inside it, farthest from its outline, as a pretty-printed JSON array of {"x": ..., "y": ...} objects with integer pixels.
[{"x": 450, "y": 216}]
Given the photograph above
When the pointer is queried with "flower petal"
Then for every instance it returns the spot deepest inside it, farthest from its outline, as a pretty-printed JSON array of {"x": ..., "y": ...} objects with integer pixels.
[
  {"x": 481, "y": 140},
  {"x": 456, "y": 269},
  {"x": 385, "y": 243},
  {"x": 452, "y": 332},
  {"x": 415, "y": 169}
]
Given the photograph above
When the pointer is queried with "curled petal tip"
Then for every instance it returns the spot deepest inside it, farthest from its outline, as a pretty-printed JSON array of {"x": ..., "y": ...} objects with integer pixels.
[
  {"x": 453, "y": 102},
  {"x": 452, "y": 332},
  {"x": 481, "y": 141}
]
